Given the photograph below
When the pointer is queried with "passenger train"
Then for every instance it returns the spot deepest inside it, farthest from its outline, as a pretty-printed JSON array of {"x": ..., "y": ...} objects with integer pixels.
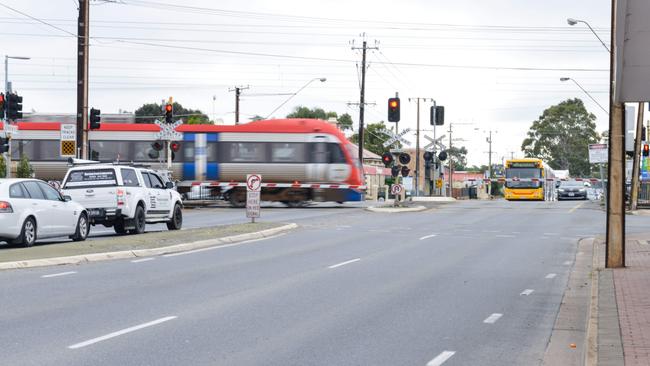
[{"x": 299, "y": 159}]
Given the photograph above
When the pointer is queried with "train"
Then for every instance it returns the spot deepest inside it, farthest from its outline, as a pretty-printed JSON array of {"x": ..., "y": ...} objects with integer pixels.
[{"x": 300, "y": 160}]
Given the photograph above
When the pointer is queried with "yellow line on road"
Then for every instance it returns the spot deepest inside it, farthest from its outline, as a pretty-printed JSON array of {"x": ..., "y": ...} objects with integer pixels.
[{"x": 576, "y": 207}]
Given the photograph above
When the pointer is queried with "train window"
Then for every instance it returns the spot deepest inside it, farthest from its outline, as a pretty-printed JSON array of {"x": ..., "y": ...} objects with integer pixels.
[
  {"x": 288, "y": 152},
  {"x": 244, "y": 152},
  {"x": 188, "y": 151},
  {"x": 40, "y": 150},
  {"x": 336, "y": 154},
  {"x": 319, "y": 153}
]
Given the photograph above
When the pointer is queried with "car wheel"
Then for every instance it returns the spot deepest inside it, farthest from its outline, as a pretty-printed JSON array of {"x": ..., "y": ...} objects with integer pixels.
[
  {"x": 138, "y": 221},
  {"x": 177, "y": 219},
  {"x": 27, "y": 236},
  {"x": 119, "y": 227},
  {"x": 82, "y": 229}
]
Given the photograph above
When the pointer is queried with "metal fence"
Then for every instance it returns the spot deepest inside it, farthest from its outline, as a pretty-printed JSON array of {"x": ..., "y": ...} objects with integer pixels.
[{"x": 644, "y": 193}]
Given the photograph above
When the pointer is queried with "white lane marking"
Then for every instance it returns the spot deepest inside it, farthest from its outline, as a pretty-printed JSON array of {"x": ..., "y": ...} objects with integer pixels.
[
  {"x": 58, "y": 274},
  {"x": 527, "y": 292},
  {"x": 491, "y": 231},
  {"x": 551, "y": 234},
  {"x": 568, "y": 263},
  {"x": 505, "y": 236},
  {"x": 121, "y": 332},
  {"x": 428, "y": 236},
  {"x": 220, "y": 246},
  {"x": 492, "y": 318},
  {"x": 143, "y": 260},
  {"x": 515, "y": 232},
  {"x": 344, "y": 263},
  {"x": 465, "y": 230},
  {"x": 550, "y": 275},
  {"x": 441, "y": 358}
]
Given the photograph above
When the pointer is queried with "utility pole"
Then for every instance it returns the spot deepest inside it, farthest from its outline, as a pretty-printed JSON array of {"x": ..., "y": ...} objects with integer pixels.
[
  {"x": 637, "y": 158},
  {"x": 237, "y": 90},
  {"x": 489, "y": 140},
  {"x": 451, "y": 165},
  {"x": 82, "y": 78},
  {"x": 417, "y": 143},
  {"x": 362, "y": 96}
]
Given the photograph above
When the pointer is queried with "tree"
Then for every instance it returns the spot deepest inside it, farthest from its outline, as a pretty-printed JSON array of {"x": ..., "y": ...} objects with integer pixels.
[
  {"x": 459, "y": 157},
  {"x": 344, "y": 121},
  {"x": 24, "y": 169},
  {"x": 561, "y": 137},
  {"x": 150, "y": 112},
  {"x": 372, "y": 139}
]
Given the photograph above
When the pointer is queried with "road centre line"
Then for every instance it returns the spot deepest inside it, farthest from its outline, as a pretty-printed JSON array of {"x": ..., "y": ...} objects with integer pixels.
[
  {"x": 121, "y": 332},
  {"x": 441, "y": 358},
  {"x": 492, "y": 318},
  {"x": 550, "y": 275},
  {"x": 58, "y": 274},
  {"x": 221, "y": 246},
  {"x": 344, "y": 263},
  {"x": 527, "y": 292},
  {"x": 143, "y": 260},
  {"x": 576, "y": 207},
  {"x": 428, "y": 236}
]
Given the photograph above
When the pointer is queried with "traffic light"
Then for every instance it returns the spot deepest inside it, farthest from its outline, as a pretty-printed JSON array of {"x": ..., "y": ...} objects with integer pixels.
[
  {"x": 393, "y": 109},
  {"x": 2, "y": 105},
  {"x": 405, "y": 171},
  {"x": 4, "y": 145},
  {"x": 404, "y": 158},
  {"x": 387, "y": 159},
  {"x": 644, "y": 136},
  {"x": 442, "y": 156},
  {"x": 169, "y": 113},
  {"x": 646, "y": 150},
  {"x": 14, "y": 106},
  {"x": 428, "y": 156},
  {"x": 175, "y": 146},
  {"x": 437, "y": 115},
  {"x": 157, "y": 145},
  {"x": 95, "y": 118},
  {"x": 394, "y": 171}
]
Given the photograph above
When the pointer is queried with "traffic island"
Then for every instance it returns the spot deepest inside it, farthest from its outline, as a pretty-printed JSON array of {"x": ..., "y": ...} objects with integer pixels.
[
  {"x": 130, "y": 246},
  {"x": 395, "y": 209}
]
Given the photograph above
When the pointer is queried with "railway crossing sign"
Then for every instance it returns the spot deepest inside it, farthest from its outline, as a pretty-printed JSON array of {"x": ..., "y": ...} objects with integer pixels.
[
  {"x": 433, "y": 143},
  {"x": 253, "y": 195},
  {"x": 68, "y": 145},
  {"x": 168, "y": 131},
  {"x": 394, "y": 137}
]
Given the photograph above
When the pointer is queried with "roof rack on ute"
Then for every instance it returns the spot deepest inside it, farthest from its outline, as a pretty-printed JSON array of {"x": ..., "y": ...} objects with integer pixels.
[{"x": 75, "y": 162}]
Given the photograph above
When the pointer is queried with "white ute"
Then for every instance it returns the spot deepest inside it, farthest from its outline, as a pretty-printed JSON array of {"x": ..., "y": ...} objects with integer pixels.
[{"x": 125, "y": 197}]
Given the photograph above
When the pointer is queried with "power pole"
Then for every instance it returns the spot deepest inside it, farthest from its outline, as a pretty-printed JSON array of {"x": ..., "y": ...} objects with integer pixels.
[
  {"x": 82, "y": 78},
  {"x": 451, "y": 166},
  {"x": 362, "y": 96},
  {"x": 237, "y": 90},
  {"x": 417, "y": 143},
  {"x": 637, "y": 158},
  {"x": 489, "y": 140}
]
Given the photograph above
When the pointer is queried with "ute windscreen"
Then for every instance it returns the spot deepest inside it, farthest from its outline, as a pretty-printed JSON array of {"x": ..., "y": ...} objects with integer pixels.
[{"x": 91, "y": 178}]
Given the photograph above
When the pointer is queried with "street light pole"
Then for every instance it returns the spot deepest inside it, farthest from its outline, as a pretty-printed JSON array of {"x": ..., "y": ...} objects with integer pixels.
[
  {"x": 322, "y": 80},
  {"x": 573, "y": 22},
  {"x": 589, "y": 95},
  {"x": 7, "y": 155}
]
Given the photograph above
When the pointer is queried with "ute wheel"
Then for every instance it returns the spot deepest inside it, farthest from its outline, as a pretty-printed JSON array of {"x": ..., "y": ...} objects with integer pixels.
[
  {"x": 82, "y": 228},
  {"x": 177, "y": 219},
  {"x": 119, "y": 227},
  {"x": 27, "y": 236},
  {"x": 138, "y": 221}
]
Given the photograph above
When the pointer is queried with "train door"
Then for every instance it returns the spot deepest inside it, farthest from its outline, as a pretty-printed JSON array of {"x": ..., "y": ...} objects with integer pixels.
[{"x": 319, "y": 159}]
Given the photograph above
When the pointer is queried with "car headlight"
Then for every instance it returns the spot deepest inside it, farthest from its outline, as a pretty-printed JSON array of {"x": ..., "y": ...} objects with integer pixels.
[
  {"x": 583, "y": 190},
  {"x": 560, "y": 190}
]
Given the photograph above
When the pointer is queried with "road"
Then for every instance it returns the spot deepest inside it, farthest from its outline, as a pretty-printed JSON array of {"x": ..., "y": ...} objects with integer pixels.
[{"x": 470, "y": 283}]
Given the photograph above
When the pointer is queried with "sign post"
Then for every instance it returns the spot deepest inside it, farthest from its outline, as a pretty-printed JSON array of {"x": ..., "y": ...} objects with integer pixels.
[
  {"x": 396, "y": 190},
  {"x": 598, "y": 154},
  {"x": 253, "y": 195},
  {"x": 68, "y": 145}
]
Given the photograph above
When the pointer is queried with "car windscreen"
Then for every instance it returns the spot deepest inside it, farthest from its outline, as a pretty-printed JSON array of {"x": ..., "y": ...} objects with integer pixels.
[{"x": 91, "y": 178}]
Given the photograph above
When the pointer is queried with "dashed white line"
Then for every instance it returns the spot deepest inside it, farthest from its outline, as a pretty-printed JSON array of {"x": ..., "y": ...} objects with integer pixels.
[
  {"x": 428, "y": 236},
  {"x": 526, "y": 292},
  {"x": 121, "y": 332},
  {"x": 58, "y": 274},
  {"x": 505, "y": 236},
  {"x": 550, "y": 275},
  {"x": 344, "y": 263},
  {"x": 491, "y": 231},
  {"x": 441, "y": 358},
  {"x": 568, "y": 263},
  {"x": 143, "y": 260},
  {"x": 492, "y": 318}
]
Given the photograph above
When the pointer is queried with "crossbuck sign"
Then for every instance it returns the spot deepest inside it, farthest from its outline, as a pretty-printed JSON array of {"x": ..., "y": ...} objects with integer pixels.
[
  {"x": 396, "y": 137},
  {"x": 433, "y": 143},
  {"x": 168, "y": 131}
]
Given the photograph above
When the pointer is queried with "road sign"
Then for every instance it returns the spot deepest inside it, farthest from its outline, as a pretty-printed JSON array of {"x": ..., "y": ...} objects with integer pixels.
[
  {"x": 168, "y": 131},
  {"x": 68, "y": 145},
  {"x": 253, "y": 195},
  {"x": 396, "y": 137},
  {"x": 396, "y": 189},
  {"x": 433, "y": 143},
  {"x": 597, "y": 153}
]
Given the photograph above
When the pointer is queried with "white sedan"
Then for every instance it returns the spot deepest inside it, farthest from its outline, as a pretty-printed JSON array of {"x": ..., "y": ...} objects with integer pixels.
[{"x": 31, "y": 209}]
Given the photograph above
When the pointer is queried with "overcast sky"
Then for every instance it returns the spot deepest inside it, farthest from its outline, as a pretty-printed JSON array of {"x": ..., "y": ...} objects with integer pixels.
[{"x": 494, "y": 65}]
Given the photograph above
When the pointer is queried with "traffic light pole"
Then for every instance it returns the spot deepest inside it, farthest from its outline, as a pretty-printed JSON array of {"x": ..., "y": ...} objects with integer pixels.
[
  {"x": 82, "y": 78},
  {"x": 5, "y": 123},
  {"x": 637, "y": 158}
]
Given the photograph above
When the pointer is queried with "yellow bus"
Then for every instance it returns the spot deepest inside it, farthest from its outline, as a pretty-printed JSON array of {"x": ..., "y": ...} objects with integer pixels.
[{"x": 533, "y": 185}]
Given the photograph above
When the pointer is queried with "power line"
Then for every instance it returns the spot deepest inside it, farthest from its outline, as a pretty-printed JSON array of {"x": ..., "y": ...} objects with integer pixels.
[{"x": 38, "y": 20}]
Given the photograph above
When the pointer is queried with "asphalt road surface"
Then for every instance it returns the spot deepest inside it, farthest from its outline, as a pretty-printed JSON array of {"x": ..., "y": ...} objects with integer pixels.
[{"x": 470, "y": 283}]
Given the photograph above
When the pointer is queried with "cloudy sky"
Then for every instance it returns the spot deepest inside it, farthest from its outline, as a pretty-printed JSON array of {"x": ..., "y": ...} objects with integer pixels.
[{"x": 494, "y": 65}]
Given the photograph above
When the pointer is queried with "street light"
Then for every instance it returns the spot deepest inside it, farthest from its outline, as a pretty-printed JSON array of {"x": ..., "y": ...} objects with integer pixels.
[
  {"x": 7, "y": 57},
  {"x": 583, "y": 89},
  {"x": 322, "y": 80},
  {"x": 573, "y": 22}
]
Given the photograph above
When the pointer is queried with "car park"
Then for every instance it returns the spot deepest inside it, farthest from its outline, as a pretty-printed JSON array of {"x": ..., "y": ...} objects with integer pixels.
[
  {"x": 30, "y": 209},
  {"x": 125, "y": 197},
  {"x": 571, "y": 189}
]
